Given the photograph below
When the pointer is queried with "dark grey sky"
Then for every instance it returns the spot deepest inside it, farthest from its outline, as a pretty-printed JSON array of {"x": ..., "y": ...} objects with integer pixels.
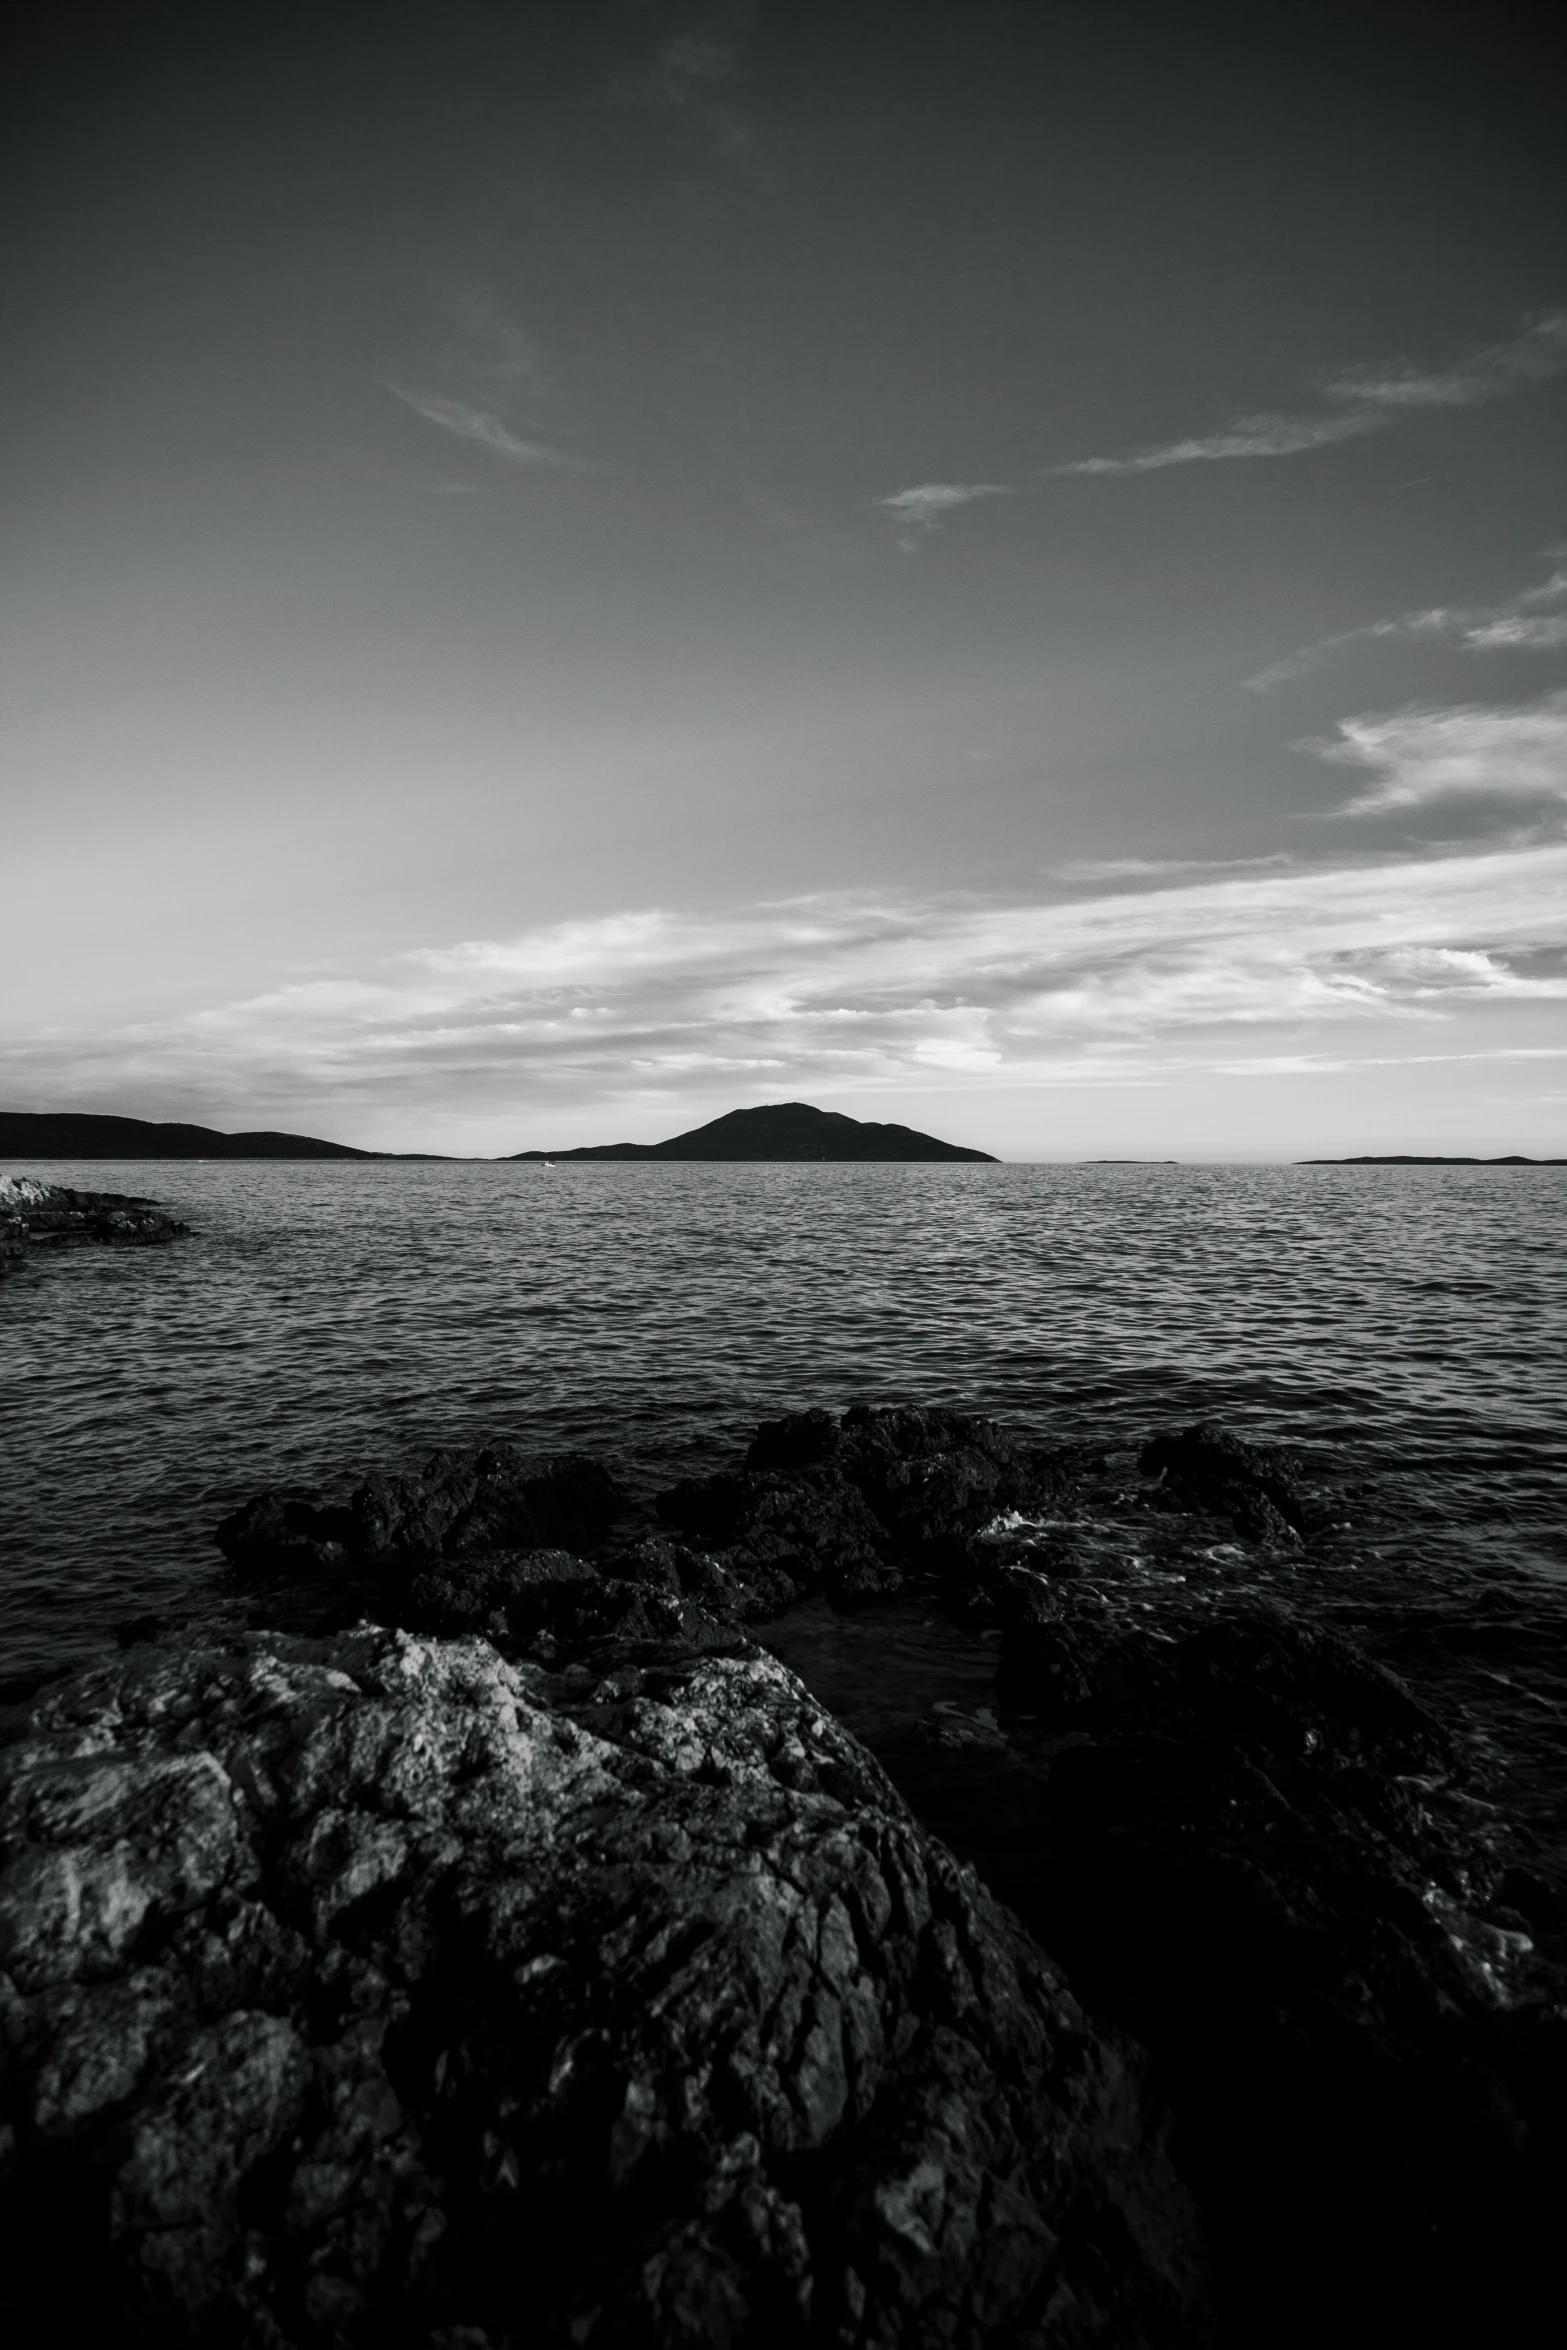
[{"x": 995, "y": 564}]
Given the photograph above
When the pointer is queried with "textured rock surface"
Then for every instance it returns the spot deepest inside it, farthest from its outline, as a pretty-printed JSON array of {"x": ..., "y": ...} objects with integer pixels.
[
  {"x": 376, "y": 1990},
  {"x": 35, "y": 1215},
  {"x": 1254, "y": 1847}
]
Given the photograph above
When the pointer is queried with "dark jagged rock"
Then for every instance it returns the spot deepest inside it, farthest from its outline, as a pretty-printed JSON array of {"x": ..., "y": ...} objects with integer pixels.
[
  {"x": 550, "y": 1603},
  {"x": 463, "y": 1502},
  {"x": 1258, "y": 1850},
  {"x": 928, "y": 1476},
  {"x": 853, "y": 1504},
  {"x": 1206, "y": 1468},
  {"x": 780, "y": 1535},
  {"x": 379, "y": 1992},
  {"x": 460, "y": 1504},
  {"x": 1259, "y": 1676},
  {"x": 847, "y": 1506},
  {"x": 278, "y": 1529},
  {"x": 50, "y": 1215}
]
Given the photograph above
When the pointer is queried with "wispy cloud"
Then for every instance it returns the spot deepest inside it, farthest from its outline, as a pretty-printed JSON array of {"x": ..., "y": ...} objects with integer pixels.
[
  {"x": 1359, "y": 400},
  {"x": 925, "y": 507},
  {"x": 692, "y": 71},
  {"x": 1352, "y": 402},
  {"x": 692, "y": 63},
  {"x": 1248, "y": 436},
  {"x": 483, "y": 382},
  {"x": 871, "y": 990},
  {"x": 470, "y": 423},
  {"x": 489, "y": 351},
  {"x": 1421, "y": 754},
  {"x": 1160, "y": 869},
  {"x": 1525, "y": 623},
  {"x": 1517, "y": 632}
]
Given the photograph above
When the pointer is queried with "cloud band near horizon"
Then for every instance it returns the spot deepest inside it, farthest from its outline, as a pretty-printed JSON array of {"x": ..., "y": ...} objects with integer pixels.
[{"x": 863, "y": 991}]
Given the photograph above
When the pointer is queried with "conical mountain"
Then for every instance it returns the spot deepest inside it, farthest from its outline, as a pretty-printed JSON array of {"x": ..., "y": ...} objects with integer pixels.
[{"x": 781, "y": 1130}]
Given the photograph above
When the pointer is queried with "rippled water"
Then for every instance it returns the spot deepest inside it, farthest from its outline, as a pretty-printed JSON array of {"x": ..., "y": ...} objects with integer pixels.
[{"x": 323, "y": 1319}]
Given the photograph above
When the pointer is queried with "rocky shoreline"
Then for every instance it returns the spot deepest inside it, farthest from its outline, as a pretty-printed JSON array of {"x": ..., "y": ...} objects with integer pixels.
[
  {"x": 50, "y": 1215},
  {"x": 549, "y": 1965}
]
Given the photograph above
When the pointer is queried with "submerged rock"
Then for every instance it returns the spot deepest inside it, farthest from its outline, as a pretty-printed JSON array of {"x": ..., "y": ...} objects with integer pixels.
[
  {"x": 1258, "y": 1487},
  {"x": 49, "y": 1215},
  {"x": 379, "y": 1991}
]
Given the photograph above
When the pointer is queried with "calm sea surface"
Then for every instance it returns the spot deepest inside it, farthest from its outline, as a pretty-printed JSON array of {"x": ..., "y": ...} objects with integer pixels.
[{"x": 326, "y": 1319}]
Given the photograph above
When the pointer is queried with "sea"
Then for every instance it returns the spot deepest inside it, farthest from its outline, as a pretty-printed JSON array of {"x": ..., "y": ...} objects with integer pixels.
[{"x": 1405, "y": 1328}]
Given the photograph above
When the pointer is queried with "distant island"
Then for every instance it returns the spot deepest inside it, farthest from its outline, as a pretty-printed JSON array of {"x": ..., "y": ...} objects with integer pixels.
[
  {"x": 47, "y": 1134},
  {"x": 780, "y": 1130},
  {"x": 1433, "y": 1159}
]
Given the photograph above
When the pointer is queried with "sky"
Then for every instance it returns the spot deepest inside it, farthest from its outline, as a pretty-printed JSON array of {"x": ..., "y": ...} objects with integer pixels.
[{"x": 566, "y": 569}]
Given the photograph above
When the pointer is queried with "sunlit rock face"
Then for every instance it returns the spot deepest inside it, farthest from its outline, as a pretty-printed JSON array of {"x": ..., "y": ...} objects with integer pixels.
[{"x": 375, "y": 1989}]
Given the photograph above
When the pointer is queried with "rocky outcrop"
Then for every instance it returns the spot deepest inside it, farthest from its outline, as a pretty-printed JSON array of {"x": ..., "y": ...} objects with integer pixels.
[
  {"x": 380, "y": 1991},
  {"x": 1254, "y": 1845},
  {"x": 544, "y": 1552},
  {"x": 553, "y": 1550},
  {"x": 49, "y": 1215}
]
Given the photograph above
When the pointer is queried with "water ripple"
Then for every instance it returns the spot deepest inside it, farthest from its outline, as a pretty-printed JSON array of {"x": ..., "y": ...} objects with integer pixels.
[{"x": 328, "y": 1318}]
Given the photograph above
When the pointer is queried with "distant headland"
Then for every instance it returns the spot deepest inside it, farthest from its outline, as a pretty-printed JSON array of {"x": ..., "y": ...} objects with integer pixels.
[
  {"x": 780, "y": 1130},
  {"x": 77, "y": 1135},
  {"x": 1433, "y": 1159}
]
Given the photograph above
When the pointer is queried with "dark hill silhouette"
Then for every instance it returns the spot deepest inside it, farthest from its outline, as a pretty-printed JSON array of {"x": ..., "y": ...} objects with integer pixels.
[
  {"x": 780, "y": 1130},
  {"x": 26, "y": 1134}
]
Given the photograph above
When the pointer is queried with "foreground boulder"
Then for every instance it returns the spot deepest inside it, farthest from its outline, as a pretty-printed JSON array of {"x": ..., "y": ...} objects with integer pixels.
[
  {"x": 49, "y": 1215},
  {"x": 378, "y": 1991}
]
